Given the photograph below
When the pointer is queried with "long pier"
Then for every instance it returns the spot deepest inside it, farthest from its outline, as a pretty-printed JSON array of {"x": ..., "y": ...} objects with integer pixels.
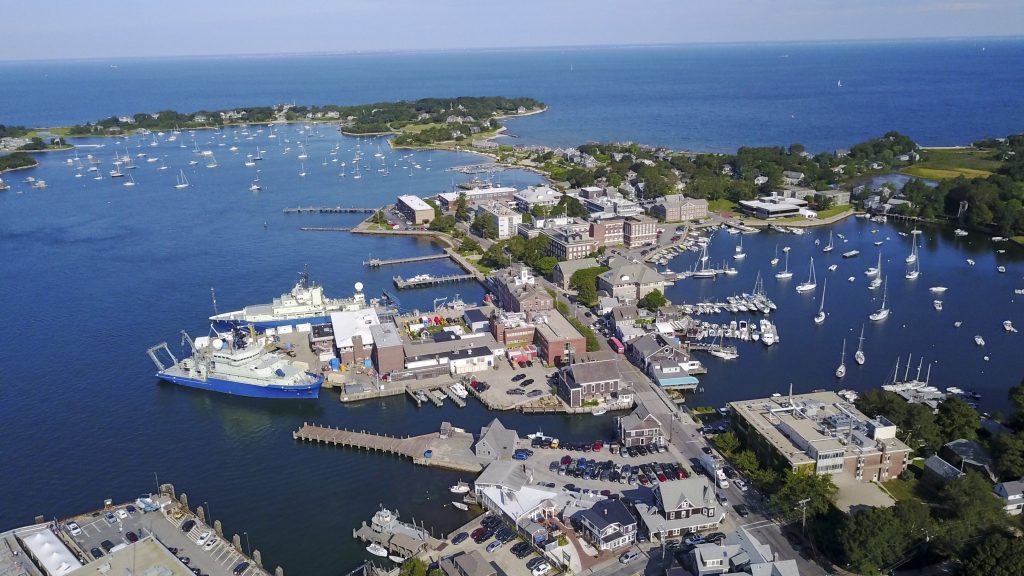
[
  {"x": 478, "y": 168},
  {"x": 316, "y": 229},
  {"x": 328, "y": 210},
  {"x": 377, "y": 262},
  {"x": 403, "y": 284},
  {"x": 453, "y": 452}
]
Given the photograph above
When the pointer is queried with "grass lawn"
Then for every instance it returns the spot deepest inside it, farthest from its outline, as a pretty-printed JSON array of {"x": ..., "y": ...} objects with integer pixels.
[
  {"x": 1018, "y": 240},
  {"x": 902, "y": 489},
  {"x": 942, "y": 164},
  {"x": 833, "y": 211},
  {"x": 722, "y": 205}
]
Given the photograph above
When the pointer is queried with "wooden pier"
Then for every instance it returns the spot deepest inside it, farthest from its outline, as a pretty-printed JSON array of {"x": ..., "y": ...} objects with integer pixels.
[
  {"x": 453, "y": 452},
  {"x": 403, "y": 284},
  {"x": 312, "y": 229},
  {"x": 377, "y": 262},
  {"x": 328, "y": 210},
  {"x": 486, "y": 168}
]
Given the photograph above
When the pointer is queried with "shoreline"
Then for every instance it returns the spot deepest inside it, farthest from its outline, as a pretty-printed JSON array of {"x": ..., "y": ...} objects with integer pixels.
[{"x": 6, "y": 170}]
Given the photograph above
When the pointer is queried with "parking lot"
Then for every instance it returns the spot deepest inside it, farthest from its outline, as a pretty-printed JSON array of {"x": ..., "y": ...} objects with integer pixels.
[
  {"x": 103, "y": 531},
  {"x": 506, "y": 562},
  {"x": 510, "y": 376}
]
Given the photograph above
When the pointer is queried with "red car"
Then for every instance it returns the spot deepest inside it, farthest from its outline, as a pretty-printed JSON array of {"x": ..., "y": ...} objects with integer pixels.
[
  {"x": 681, "y": 473},
  {"x": 476, "y": 533},
  {"x": 566, "y": 460},
  {"x": 662, "y": 477},
  {"x": 643, "y": 479},
  {"x": 598, "y": 445}
]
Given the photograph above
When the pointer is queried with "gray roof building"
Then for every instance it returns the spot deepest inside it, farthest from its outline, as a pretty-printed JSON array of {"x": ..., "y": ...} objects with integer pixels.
[
  {"x": 496, "y": 442},
  {"x": 971, "y": 454},
  {"x": 739, "y": 553}
]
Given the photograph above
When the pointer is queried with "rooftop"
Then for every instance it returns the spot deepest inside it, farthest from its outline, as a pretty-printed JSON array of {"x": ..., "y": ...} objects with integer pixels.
[
  {"x": 600, "y": 371},
  {"x": 414, "y": 202},
  {"x": 553, "y": 326}
]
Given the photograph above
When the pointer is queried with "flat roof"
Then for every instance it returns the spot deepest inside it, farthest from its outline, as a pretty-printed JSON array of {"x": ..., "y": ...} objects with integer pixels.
[
  {"x": 556, "y": 327},
  {"x": 144, "y": 557},
  {"x": 414, "y": 202}
]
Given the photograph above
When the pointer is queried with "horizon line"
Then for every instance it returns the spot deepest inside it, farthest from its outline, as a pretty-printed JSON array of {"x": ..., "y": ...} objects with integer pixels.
[{"x": 915, "y": 39}]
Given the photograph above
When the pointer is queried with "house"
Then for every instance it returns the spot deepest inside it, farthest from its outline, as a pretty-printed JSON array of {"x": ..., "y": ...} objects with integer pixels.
[
  {"x": 791, "y": 177},
  {"x": 676, "y": 208},
  {"x": 640, "y": 427},
  {"x": 505, "y": 474},
  {"x": 520, "y": 507},
  {"x": 739, "y": 553},
  {"x": 661, "y": 358},
  {"x": 687, "y": 505},
  {"x": 970, "y": 454},
  {"x": 1012, "y": 494},
  {"x": 836, "y": 197},
  {"x": 564, "y": 270},
  {"x": 470, "y": 563},
  {"x": 476, "y": 320},
  {"x": 608, "y": 525},
  {"x": 937, "y": 471},
  {"x": 631, "y": 282},
  {"x": 624, "y": 315},
  {"x": 496, "y": 442},
  {"x": 590, "y": 381}
]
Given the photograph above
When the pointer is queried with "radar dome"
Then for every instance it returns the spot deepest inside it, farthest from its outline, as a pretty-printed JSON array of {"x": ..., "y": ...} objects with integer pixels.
[
  {"x": 218, "y": 344},
  {"x": 359, "y": 286}
]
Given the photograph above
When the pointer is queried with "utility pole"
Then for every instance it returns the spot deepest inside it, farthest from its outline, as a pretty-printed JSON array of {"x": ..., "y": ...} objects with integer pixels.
[{"x": 802, "y": 505}]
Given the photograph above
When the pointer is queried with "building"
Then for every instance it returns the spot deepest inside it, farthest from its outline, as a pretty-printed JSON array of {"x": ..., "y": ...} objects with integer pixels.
[
  {"x": 661, "y": 358},
  {"x": 564, "y": 270},
  {"x": 640, "y": 427},
  {"x": 542, "y": 196},
  {"x": 608, "y": 232},
  {"x": 680, "y": 507},
  {"x": 476, "y": 320},
  {"x": 610, "y": 206},
  {"x": 772, "y": 207},
  {"x": 352, "y": 335},
  {"x": 823, "y": 432},
  {"x": 520, "y": 508},
  {"x": 630, "y": 282},
  {"x": 1012, "y": 494},
  {"x": 677, "y": 208},
  {"x": 496, "y": 442},
  {"x": 590, "y": 381},
  {"x": 415, "y": 209},
  {"x": 970, "y": 454},
  {"x": 608, "y": 525},
  {"x": 470, "y": 563},
  {"x": 739, "y": 553},
  {"x": 388, "y": 352},
  {"x": 457, "y": 361},
  {"x": 505, "y": 220},
  {"x": 791, "y": 177},
  {"x": 556, "y": 338},
  {"x": 836, "y": 197},
  {"x": 569, "y": 243},
  {"x": 937, "y": 471},
  {"x": 517, "y": 291},
  {"x": 504, "y": 474},
  {"x": 512, "y": 329},
  {"x": 640, "y": 231}
]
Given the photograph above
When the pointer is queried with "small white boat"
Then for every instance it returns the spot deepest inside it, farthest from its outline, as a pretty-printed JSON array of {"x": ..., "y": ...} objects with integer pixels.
[
  {"x": 377, "y": 550},
  {"x": 938, "y": 289},
  {"x": 460, "y": 505},
  {"x": 937, "y": 304},
  {"x": 599, "y": 412},
  {"x": 979, "y": 340},
  {"x": 957, "y": 324},
  {"x": 851, "y": 278},
  {"x": 395, "y": 559},
  {"x": 460, "y": 488},
  {"x": 970, "y": 262},
  {"x": 1001, "y": 269},
  {"x": 833, "y": 268},
  {"x": 959, "y": 233},
  {"x": 1008, "y": 326}
]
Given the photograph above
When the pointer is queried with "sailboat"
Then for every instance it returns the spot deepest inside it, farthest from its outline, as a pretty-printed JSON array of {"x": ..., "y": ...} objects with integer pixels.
[
  {"x": 820, "y": 316},
  {"x": 303, "y": 169},
  {"x": 811, "y": 283},
  {"x": 182, "y": 180},
  {"x": 739, "y": 255},
  {"x": 875, "y": 270},
  {"x": 130, "y": 182},
  {"x": 211, "y": 161},
  {"x": 913, "y": 252},
  {"x": 775, "y": 261},
  {"x": 859, "y": 355},
  {"x": 785, "y": 274},
  {"x": 883, "y": 312},
  {"x": 828, "y": 248},
  {"x": 255, "y": 187},
  {"x": 841, "y": 370},
  {"x": 914, "y": 272},
  {"x": 702, "y": 271}
]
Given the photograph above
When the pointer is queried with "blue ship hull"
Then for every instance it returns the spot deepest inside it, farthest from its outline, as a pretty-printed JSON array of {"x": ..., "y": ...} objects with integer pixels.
[
  {"x": 225, "y": 325},
  {"x": 239, "y": 389}
]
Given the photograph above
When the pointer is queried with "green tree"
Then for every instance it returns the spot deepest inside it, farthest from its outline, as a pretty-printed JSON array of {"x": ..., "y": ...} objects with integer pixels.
[
  {"x": 484, "y": 226},
  {"x": 444, "y": 223},
  {"x": 653, "y": 300},
  {"x": 1016, "y": 395},
  {"x": 462, "y": 207},
  {"x": 1008, "y": 453},
  {"x": 746, "y": 461},
  {"x": 727, "y": 443},
  {"x": 804, "y": 484},
  {"x": 956, "y": 419},
  {"x": 996, "y": 555},
  {"x": 546, "y": 265},
  {"x": 871, "y": 539},
  {"x": 469, "y": 245},
  {"x": 584, "y": 282},
  {"x": 967, "y": 510}
]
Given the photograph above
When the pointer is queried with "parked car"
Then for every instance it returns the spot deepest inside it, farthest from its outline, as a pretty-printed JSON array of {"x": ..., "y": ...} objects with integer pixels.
[
  {"x": 476, "y": 533},
  {"x": 527, "y": 382},
  {"x": 107, "y": 545},
  {"x": 518, "y": 377},
  {"x": 706, "y": 449},
  {"x": 714, "y": 538},
  {"x": 694, "y": 539},
  {"x": 96, "y": 552},
  {"x": 741, "y": 484},
  {"x": 240, "y": 567},
  {"x": 722, "y": 498},
  {"x": 459, "y": 538},
  {"x": 741, "y": 510},
  {"x": 111, "y": 519},
  {"x": 534, "y": 393},
  {"x": 188, "y": 525},
  {"x": 203, "y": 538},
  {"x": 494, "y": 546},
  {"x": 122, "y": 513},
  {"x": 131, "y": 537},
  {"x": 627, "y": 557},
  {"x": 74, "y": 528},
  {"x": 483, "y": 537}
]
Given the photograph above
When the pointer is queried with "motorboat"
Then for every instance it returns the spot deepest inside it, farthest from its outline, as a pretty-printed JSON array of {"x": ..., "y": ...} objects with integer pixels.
[
  {"x": 460, "y": 488},
  {"x": 460, "y": 506},
  {"x": 599, "y": 412},
  {"x": 979, "y": 340},
  {"x": 377, "y": 550},
  {"x": 1008, "y": 326},
  {"x": 937, "y": 304},
  {"x": 833, "y": 268},
  {"x": 938, "y": 289}
]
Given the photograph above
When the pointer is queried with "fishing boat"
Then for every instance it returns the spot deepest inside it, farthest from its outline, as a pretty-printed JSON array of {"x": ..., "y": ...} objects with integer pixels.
[
  {"x": 377, "y": 550},
  {"x": 785, "y": 274},
  {"x": 882, "y": 313},
  {"x": 237, "y": 364},
  {"x": 828, "y": 247},
  {"x": 811, "y": 283},
  {"x": 874, "y": 270},
  {"x": 304, "y": 303},
  {"x": 820, "y": 316},
  {"x": 459, "y": 390},
  {"x": 841, "y": 370},
  {"x": 460, "y": 488},
  {"x": 182, "y": 180},
  {"x": 859, "y": 355}
]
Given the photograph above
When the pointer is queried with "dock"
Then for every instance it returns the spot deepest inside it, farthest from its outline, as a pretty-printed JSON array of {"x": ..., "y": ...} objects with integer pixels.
[
  {"x": 313, "y": 229},
  {"x": 400, "y": 538},
  {"x": 403, "y": 284},
  {"x": 453, "y": 452},
  {"x": 486, "y": 168},
  {"x": 377, "y": 262},
  {"x": 328, "y": 210}
]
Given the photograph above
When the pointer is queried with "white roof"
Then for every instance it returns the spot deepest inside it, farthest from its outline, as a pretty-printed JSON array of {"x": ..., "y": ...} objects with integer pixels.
[
  {"x": 55, "y": 557},
  {"x": 414, "y": 202},
  {"x": 664, "y": 327},
  {"x": 349, "y": 323},
  {"x": 518, "y": 503}
]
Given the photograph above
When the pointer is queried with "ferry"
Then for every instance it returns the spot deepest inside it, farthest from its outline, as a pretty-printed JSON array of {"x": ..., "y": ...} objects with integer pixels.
[
  {"x": 231, "y": 363},
  {"x": 305, "y": 303}
]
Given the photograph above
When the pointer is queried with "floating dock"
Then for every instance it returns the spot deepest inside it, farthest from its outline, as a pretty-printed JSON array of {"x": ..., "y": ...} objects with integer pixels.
[
  {"x": 403, "y": 284},
  {"x": 377, "y": 262}
]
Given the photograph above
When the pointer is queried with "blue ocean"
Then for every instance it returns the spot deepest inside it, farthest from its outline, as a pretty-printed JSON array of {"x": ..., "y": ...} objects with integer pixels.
[{"x": 95, "y": 272}]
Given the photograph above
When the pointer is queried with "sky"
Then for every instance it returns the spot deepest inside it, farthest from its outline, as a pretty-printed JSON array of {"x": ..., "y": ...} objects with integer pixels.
[{"x": 71, "y": 29}]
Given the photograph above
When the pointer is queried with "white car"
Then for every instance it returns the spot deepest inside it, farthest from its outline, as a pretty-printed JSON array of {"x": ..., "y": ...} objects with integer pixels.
[
  {"x": 122, "y": 513},
  {"x": 74, "y": 528},
  {"x": 541, "y": 569},
  {"x": 694, "y": 539},
  {"x": 741, "y": 484},
  {"x": 210, "y": 543},
  {"x": 203, "y": 538}
]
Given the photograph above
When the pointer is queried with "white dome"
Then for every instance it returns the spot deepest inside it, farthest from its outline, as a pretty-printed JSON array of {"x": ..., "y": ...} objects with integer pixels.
[
  {"x": 218, "y": 344},
  {"x": 359, "y": 286}
]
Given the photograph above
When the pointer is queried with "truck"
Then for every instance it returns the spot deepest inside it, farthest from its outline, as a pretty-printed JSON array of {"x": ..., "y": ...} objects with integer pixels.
[{"x": 713, "y": 466}]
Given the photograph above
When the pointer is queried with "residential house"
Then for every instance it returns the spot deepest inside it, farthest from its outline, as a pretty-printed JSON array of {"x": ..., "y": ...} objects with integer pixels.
[
  {"x": 687, "y": 505},
  {"x": 970, "y": 454},
  {"x": 471, "y": 563},
  {"x": 1012, "y": 494},
  {"x": 640, "y": 427},
  {"x": 608, "y": 525},
  {"x": 630, "y": 282},
  {"x": 739, "y": 553},
  {"x": 791, "y": 177},
  {"x": 938, "y": 472},
  {"x": 661, "y": 358},
  {"x": 585, "y": 382}
]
